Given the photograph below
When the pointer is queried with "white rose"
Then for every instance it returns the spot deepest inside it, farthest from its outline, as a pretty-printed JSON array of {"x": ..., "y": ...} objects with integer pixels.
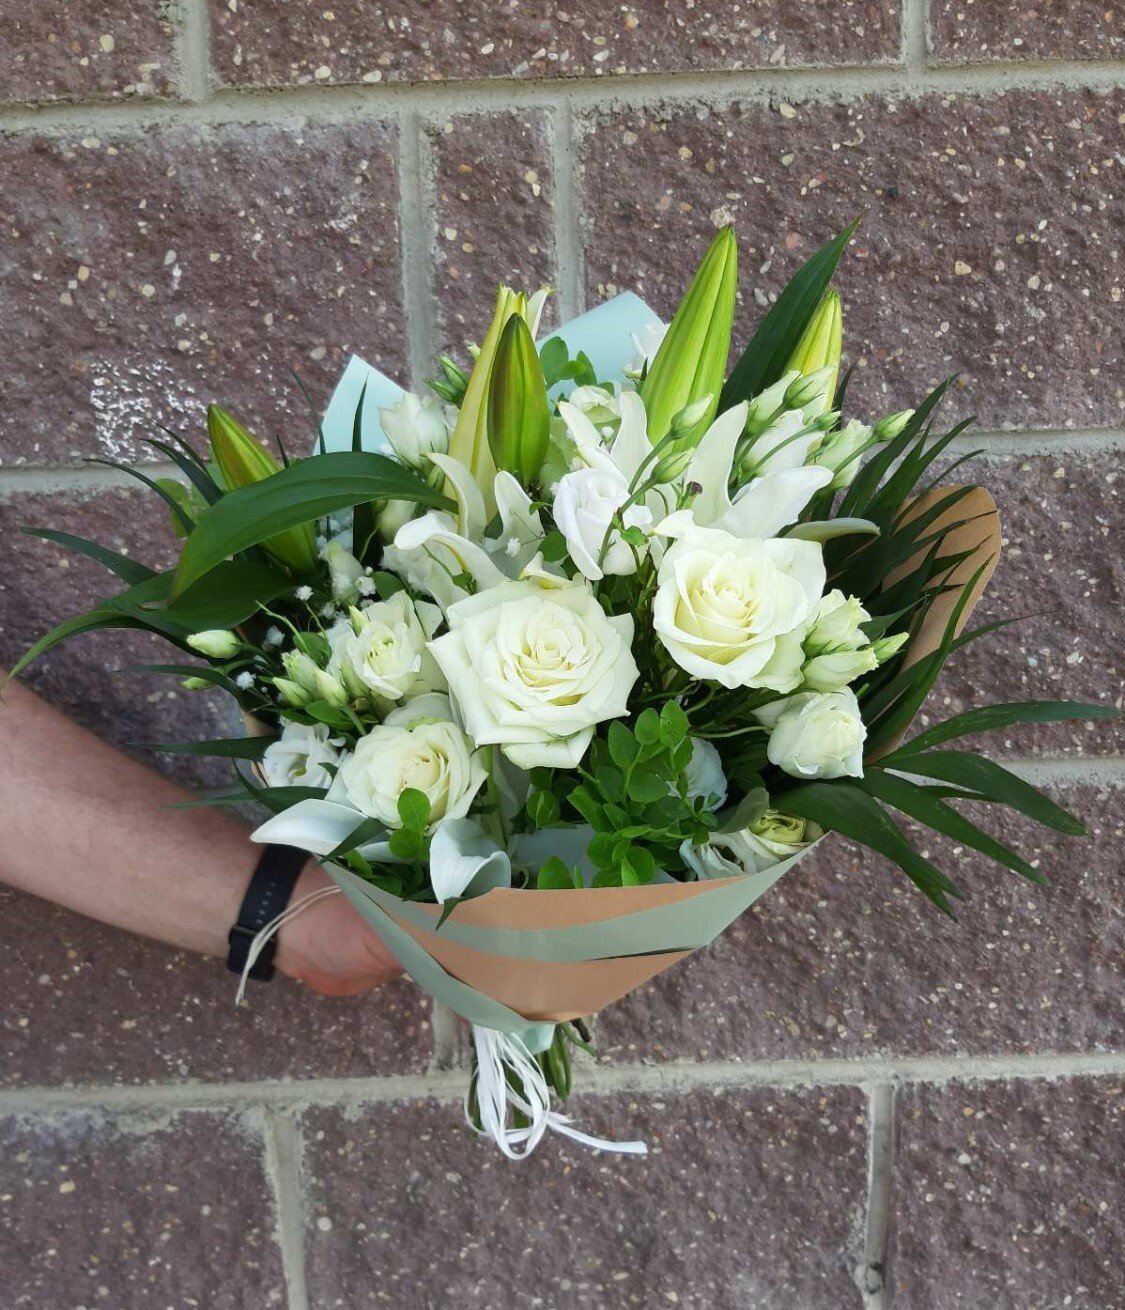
[
  {"x": 773, "y": 838},
  {"x": 584, "y": 507},
  {"x": 431, "y": 755},
  {"x": 705, "y": 777},
  {"x": 533, "y": 669},
  {"x": 734, "y": 611},
  {"x": 300, "y": 756},
  {"x": 816, "y": 734},
  {"x": 379, "y": 651},
  {"x": 416, "y": 427}
]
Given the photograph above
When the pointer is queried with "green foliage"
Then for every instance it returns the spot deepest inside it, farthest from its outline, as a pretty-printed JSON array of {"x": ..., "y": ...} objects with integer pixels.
[{"x": 554, "y": 359}]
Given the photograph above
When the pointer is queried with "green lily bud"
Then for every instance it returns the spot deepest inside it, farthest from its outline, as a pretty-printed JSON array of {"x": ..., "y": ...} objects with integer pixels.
[
  {"x": 692, "y": 360},
  {"x": 892, "y": 425},
  {"x": 242, "y": 462},
  {"x": 291, "y": 693},
  {"x": 469, "y": 441},
  {"x": 519, "y": 417},
  {"x": 821, "y": 344},
  {"x": 216, "y": 643}
]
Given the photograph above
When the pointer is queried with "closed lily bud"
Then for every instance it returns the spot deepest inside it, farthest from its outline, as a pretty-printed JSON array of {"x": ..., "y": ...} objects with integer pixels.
[
  {"x": 519, "y": 416},
  {"x": 692, "y": 360},
  {"x": 217, "y": 643},
  {"x": 820, "y": 345},
  {"x": 469, "y": 441},
  {"x": 242, "y": 462},
  {"x": 892, "y": 425}
]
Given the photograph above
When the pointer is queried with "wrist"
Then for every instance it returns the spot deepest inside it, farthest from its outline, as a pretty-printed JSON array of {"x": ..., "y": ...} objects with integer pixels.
[{"x": 295, "y": 939}]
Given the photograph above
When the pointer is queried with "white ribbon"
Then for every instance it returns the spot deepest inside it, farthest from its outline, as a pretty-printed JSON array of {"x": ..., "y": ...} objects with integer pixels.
[
  {"x": 498, "y": 1052},
  {"x": 275, "y": 925}
]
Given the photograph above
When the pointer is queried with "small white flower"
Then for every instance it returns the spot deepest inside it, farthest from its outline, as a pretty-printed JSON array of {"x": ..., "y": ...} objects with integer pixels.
[
  {"x": 273, "y": 638},
  {"x": 300, "y": 755},
  {"x": 245, "y": 680},
  {"x": 303, "y": 593}
]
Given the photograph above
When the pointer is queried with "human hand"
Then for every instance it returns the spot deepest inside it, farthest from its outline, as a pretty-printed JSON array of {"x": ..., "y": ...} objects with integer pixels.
[{"x": 328, "y": 946}]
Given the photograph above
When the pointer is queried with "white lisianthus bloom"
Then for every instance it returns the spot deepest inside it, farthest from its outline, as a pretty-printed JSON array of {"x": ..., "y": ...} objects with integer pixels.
[
  {"x": 705, "y": 776},
  {"x": 532, "y": 669},
  {"x": 409, "y": 750},
  {"x": 646, "y": 343},
  {"x": 379, "y": 651},
  {"x": 816, "y": 734},
  {"x": 416, "y": 427},
  {"x": 584, "y": 508},
  {"x": 600, "y": 405},
  {"x": 300, "y": 756},
  {"x": 773, "y": 838},
  {"x": 840, "y": 452},
  {"x": 734, "y": 611},
  {"x": 837, "y": 648}
]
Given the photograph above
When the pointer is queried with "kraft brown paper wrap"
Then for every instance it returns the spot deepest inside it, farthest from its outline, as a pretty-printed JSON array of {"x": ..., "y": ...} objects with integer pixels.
[{"x": 544, "y": 990}]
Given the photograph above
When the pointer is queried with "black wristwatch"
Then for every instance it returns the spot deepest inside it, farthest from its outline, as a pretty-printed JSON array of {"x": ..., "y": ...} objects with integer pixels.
[{"x": 268, "y": 894}]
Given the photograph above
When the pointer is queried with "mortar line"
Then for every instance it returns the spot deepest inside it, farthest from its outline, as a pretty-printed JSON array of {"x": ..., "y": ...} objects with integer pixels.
[
  {"x": 915, "y": 35},
  {"x": 872, "y": 1277},
  {"x": 283, "y": 1147},
  {"x": 416, "y": 224},
  {"x": 30, "y": 479},
  {"x": 599, "y": 1080},
  {"x": 566, "y": 208},
  {"x": 349, "y": 103},
  {"x": 193, "y": 50}
]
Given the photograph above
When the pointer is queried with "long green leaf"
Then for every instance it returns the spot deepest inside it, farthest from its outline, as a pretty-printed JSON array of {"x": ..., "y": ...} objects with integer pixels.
[
  {"x": 173, "y": 504},
  {"x": 94, "y": 620},
  {"x": 363, "y": 516},
  {"x": 764, "y": 359},
  {"x": 925, "y": 804},
  {"x": 301, "y": 493},
  {"x": 844, "y": 808},
  {"x": 969, "y": 770},
  {"x": 990, "y": 718},
  {"x": 128, "y": 570},
  {"x": 227, "y": 748}
]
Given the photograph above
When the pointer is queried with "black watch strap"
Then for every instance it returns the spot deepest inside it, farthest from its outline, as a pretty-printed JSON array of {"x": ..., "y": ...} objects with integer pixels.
[{"x": 268, "y": 894}]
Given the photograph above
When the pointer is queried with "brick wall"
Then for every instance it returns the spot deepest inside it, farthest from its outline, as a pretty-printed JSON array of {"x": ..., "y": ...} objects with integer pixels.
[{"x": 851, "y": 1103}]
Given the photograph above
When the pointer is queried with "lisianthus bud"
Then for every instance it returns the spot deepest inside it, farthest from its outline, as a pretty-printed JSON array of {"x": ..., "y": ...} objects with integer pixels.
[
  {"x": 836, "y": 623},
  {"x": 415, "y": 426},
  {"x": 196, "y": 684},
  {"x": 892, "y": 425},
  {"x": 689, "y": 418},
  {"x": 811, "y": 391},
  {"x": 821, "y": 344},
  {"x": 833, "y": 670},
  {"x": 886, "y": 648},
  {"x": 217, "y": 643},
  {"x": 391, "y": 516},
  {"x": 692, "y": 360},
  {"x": 768, "y": 405},
  {"x": 519, "y": 417},
  {"x": 344, "y": 571},
  {"x": 291, "y": 693},
  {"x": 840, "y": 451},
  {"x": 242, "y": 462}
]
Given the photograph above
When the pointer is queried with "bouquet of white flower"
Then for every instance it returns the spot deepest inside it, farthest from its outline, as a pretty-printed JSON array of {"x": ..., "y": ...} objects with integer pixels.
[{"x": 561, "y": 667}]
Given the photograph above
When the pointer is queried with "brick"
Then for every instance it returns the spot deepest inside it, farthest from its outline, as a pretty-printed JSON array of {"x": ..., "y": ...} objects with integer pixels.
[
  {"x": 85, "y": 48},
  {"x": 724, "y": 1212},
  {"x": 494, "y": 190},
  {"x": 1061, "y": 517},
  {"x": 164, "y": 1016},
  {"x": 845, "y": 958},
  {"x": 150, "y": 272},
  {"x": 1019, "y": 190},
  {"x": 274, "y": 43},
  {"x": 161, "y": 1015},
  {"x": 979, "y": 31},
  {"x": 157, "y": 1211},
  {"x": 1009, "y": 1195}
]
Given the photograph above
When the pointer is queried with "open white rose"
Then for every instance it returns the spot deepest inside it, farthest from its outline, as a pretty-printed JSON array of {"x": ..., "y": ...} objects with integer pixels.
[
  {"x": 533, "y": 669},
  {"x": 379, "y": 651},
  {"x": 431, "y": 755},
  {"x": 734, "y": 611},
  {"x": 772, "y": 838},
  {"x": 816, "y": 734},
  {"x": 298, "y": 758}
]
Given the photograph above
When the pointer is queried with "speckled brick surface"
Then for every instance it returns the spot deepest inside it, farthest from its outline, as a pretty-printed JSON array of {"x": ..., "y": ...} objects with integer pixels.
[
  {"x": 494, "y": 192},
  {"x": 141, "y": 1211},
  {"x": 86, "y": 48},
  {"x": 724, "y": 1214},
  {"x": 286, "y": 42},
  {"x": 187, "y": 264},
  {"x": 981, "y": 31},
  {"x": 1009, "y": 1195},
  {"x": 845, "y": 958},
  {"x": 986, "y": 247}
]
